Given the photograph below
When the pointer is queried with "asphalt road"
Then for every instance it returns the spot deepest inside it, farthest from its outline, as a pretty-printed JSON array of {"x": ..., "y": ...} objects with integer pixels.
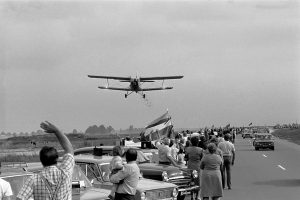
[{"x": 265, "y": 174}]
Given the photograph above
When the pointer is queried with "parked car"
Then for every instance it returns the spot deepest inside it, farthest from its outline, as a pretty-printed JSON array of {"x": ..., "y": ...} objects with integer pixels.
[
  {"x": 16, "y": 178},
  {"x": 97, "y": 170},
  {"x": 263, "y": 141},
  {"x": 82, "y": 188},
  {"x": 184, "y": 178}
]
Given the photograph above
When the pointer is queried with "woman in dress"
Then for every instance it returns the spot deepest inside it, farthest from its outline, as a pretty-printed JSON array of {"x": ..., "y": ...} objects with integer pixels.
[
  {"x": 211, "y": 180},
  {"x": 193, "y": 156}
]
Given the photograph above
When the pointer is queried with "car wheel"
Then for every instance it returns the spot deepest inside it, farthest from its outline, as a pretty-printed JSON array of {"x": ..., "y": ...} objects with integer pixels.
[
  {"x": 272, "y": 148},
  {"x": 256, "y": 148}
]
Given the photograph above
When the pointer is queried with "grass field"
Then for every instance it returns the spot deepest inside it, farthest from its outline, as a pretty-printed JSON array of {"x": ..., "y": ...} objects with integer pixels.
[
  {"x": 291, "y": 135},
  {"x": 26, "y": 149}
]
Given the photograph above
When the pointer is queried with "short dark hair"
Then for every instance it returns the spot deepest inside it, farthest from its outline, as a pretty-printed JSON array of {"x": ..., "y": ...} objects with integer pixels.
[
  {"x": 226, "y": 137},
  {"x": 195, "y": 140},
  {"x": 48, "y": 156},
  {"x": 131, "y": 155}
]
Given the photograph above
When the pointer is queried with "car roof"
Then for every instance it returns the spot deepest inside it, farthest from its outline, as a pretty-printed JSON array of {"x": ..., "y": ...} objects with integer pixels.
[
  {"x": 263, "y": 133},
  {"x": 14, "y": 173},
  {"x": 92, "y": 158}
]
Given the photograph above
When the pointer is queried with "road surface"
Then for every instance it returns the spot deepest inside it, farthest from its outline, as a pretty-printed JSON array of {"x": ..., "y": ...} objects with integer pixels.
[{"x": 265, "y": 174}]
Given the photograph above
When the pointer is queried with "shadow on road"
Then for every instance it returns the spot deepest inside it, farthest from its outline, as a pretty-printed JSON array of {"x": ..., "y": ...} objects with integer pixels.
[{"x": 280, "y": 183}]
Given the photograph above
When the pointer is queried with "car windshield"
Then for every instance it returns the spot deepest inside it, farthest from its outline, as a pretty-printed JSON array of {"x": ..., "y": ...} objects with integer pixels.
[
  {"x": 16, "y": 183},
  {"x": 105, "y": 171},
  {"x": 78, "y": 175}
]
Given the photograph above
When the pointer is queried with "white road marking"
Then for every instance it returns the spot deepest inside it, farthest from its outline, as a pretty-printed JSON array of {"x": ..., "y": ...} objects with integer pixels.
[
  {"x": 264, "y": 155},
  {"x": 281, "y": 167}
]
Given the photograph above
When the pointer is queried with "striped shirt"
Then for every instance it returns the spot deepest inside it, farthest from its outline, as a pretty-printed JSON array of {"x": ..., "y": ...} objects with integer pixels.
[{"x": 35, "y": 187}]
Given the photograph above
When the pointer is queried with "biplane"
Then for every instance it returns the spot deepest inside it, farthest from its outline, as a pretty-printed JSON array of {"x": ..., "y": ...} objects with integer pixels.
[{"x": 135, "y": 83}]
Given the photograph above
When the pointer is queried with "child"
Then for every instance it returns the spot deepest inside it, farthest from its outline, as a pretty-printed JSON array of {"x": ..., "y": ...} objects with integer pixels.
[{"x": 116, "y": 164}]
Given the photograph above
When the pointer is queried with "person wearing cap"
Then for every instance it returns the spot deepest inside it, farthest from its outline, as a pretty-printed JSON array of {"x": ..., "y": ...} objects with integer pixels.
[
  {"x": 228, "y": 158},
  {"x": 211, "y": 180}
]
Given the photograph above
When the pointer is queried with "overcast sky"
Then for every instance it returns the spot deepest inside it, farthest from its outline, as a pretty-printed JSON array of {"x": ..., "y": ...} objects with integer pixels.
[{"x": 240, "y": 62}]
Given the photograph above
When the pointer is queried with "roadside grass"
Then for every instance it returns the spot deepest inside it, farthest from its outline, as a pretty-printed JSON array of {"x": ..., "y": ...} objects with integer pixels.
[
  {"x": 291, "y": 135},
  {"x": 26, "y": 149}
]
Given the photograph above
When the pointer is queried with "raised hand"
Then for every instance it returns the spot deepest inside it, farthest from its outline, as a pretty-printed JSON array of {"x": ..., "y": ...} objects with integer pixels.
[{"x": 48, "y": 127}]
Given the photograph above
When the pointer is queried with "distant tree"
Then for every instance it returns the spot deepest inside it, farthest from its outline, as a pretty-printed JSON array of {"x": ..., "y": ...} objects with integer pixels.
[
  {"x": 102, "y": 129},
  {"x": 92, "y": 129},
  {"x": 109, "y": 129},
  {"x": 74, "y": 131}
]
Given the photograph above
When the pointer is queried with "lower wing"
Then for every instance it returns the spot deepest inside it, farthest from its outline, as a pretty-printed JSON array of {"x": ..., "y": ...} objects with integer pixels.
[
  {"x": 114, "y": 88},
  {"x": 159, "y": 88}
]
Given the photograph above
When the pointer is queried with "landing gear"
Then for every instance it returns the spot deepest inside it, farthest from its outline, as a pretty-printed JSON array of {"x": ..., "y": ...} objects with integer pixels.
[{"x": 125, "y": 95}]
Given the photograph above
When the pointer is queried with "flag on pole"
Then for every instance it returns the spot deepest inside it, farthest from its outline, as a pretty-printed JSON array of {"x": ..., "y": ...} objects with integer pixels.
[
  {"x": 250, "y": 124},
  {"x": 162, "y": 125}
]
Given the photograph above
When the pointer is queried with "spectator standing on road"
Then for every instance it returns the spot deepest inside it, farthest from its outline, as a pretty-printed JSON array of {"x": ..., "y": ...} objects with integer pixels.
[
  {"x": 127, "y": 178},
  {"x": 193, "y": 156},
  {"x": 181, "y": 154},
  {"x": 228, "y": 159},
  {"x": 54, "y": 181},
  {"x": 211, "y": 181},
  {"x": 174, "y": 149},
  {"x": 116, "y": 164},
  {"x": 5, "y": 189}
]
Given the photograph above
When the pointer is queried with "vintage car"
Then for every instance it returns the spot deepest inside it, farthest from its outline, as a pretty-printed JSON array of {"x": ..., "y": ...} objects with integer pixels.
[
  {"x": 263, "y": 141},
  {"x": 82, "y": 188},
  {"x": 184, "y": 178},
  {"x": 247, "y": 134},
  {"x": 16, "y": 178},
  {"x": 97, "y": 170}
]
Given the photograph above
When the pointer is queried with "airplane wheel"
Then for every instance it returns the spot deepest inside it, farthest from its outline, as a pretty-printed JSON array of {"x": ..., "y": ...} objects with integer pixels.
[
  {"x": 125, "y": 95},
  {"x": 144, "y": 96}
]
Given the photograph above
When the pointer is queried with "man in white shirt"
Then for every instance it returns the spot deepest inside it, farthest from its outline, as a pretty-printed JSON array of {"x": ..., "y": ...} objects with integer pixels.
[
  {"x": 228, "y": 159},
  {"x": 5, "y": 190}
]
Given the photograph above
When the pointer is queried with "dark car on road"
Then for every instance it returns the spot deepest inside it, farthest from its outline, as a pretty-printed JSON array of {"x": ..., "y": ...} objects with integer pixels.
[
  {"x": 263, "y": 141},
  {"x": 184, "y": 178}
]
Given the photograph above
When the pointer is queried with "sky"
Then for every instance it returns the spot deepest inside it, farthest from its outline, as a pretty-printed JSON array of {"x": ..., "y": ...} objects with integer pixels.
[{"x": 240, "y": 62}]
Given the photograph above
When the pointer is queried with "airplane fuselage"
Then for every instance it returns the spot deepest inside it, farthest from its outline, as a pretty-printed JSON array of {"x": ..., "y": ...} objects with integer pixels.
[{"x": 135, "y": 84}]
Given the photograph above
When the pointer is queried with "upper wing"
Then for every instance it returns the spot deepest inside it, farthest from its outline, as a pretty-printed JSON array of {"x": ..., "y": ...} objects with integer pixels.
[
  {"x": 111, "y": 77},
  {"x": 159, "y": 88},
  {"x": 114, "y": 88},
  {"x": 159, "y": 78}
]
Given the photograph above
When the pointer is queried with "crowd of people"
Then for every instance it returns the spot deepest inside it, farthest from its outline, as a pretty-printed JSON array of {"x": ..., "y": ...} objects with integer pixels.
[{"x": 210, "y": 152}]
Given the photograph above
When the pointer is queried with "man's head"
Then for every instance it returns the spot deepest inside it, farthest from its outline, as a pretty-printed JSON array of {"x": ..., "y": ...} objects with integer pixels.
[
  {"x": 195, "y": 141},
  {"x": 48, "y": 156},
  {"x": 131, "y": 155},
  {"x": 227, "y": 137}
]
